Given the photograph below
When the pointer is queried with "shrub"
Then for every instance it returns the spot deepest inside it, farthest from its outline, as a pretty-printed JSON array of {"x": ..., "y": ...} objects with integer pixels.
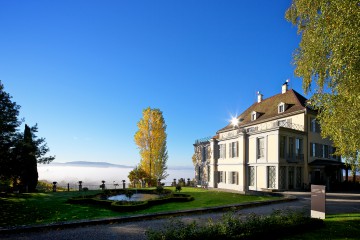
[
  {"x": 159, "y": 189},
  {"x": 279, "y": 224},
  {"x": 178, "y": 188}
]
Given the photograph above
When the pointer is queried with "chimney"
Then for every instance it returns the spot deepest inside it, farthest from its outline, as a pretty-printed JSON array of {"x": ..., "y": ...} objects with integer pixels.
[
  {"x": 284, "y": 87},
  {"x": 259, "y": 96}
]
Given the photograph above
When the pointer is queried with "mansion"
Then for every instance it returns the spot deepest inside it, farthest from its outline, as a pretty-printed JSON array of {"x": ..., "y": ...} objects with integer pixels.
[{"x": 275, "y": 144}]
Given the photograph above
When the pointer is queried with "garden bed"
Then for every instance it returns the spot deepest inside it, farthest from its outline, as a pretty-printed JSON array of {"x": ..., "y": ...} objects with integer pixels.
[{"x": 166, "y": 196}]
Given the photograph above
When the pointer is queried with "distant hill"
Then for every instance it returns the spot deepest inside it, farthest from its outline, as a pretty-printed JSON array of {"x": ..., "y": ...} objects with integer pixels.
[
  {"x": 90, "y": 164},
  {"x": 108, "y": 165}
]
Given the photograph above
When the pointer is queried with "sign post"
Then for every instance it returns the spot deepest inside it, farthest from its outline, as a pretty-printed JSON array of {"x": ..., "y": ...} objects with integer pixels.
[{"x": 318, "y": 201}]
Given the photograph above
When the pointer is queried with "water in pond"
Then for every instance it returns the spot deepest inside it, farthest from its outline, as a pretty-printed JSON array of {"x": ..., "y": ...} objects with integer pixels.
[{"x": 134, "y": 198}]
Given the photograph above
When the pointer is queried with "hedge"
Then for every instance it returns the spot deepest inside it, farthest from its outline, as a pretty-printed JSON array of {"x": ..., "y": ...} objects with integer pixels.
[{"x": 127, "y": 206}]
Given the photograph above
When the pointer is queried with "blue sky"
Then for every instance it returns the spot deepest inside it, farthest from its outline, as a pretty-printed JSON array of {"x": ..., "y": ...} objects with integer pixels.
[{"x": 85, "y": 70}]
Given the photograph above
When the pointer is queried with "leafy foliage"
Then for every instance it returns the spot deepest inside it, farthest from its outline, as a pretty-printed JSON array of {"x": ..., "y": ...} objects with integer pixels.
[
  {"x": 137, "y": 175},
  {"x": 329, "y": 56},
  {"x": 151, "y": 141}
]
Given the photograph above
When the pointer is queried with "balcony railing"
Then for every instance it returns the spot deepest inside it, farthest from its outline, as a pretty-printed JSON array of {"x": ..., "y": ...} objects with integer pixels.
[
  {"x": 272, "y": 125},
  {"x": 202, "y": 140}
]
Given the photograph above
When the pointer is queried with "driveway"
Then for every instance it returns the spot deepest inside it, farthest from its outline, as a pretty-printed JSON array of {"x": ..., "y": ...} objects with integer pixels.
[{"x": 335, "y": 203}]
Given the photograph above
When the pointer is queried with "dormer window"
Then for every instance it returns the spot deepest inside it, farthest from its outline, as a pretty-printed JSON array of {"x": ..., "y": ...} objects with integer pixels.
[
  {"x": 281, "y": 107},
  {"x": 254, "y": 115}
]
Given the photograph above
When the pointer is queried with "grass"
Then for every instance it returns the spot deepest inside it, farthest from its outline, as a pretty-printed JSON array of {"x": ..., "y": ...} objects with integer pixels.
[
  {"x": 43, "y": 208},
  {"x": 338, "y": 226}
]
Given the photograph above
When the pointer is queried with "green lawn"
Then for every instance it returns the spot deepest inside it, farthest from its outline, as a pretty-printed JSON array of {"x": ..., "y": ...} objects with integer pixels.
[
  {"x": 339, "y": 226},
  {"x": 42, "y": 208}
]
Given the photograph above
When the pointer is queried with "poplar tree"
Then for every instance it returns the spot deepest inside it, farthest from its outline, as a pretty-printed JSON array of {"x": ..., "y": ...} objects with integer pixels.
[
  {"x": 151, "y": 141},
  {"x": 328, "y": 58}
]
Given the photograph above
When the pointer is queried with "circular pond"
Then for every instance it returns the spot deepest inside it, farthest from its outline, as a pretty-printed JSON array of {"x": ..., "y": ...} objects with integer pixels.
[{"x": 134, "y": 198}]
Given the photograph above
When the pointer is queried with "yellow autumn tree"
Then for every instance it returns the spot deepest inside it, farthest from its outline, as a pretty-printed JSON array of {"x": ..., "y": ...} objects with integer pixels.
[{"x": 151, "y": 141}]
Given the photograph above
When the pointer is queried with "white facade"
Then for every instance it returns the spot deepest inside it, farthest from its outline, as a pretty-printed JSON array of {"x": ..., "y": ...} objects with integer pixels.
[{"x": 275, "y": 146}]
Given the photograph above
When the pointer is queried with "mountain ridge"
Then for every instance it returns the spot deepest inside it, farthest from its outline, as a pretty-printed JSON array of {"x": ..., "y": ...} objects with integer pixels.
[{"x": 106, "y": 165}]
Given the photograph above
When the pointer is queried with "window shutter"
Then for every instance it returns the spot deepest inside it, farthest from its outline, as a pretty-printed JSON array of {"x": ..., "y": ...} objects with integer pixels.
[
  {"x": 230, "y": 155},
  {"x": 237, "y": 149}
]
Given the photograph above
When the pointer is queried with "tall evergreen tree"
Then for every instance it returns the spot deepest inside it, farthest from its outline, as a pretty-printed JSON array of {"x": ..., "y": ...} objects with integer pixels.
[
  {"x": 27, "y": 161},
  {"x": 151, "y": 141},
  {"x": 33, "y": 151},
  {"x": 19, "y": 152},
  {"x": 9, "y": 122}
]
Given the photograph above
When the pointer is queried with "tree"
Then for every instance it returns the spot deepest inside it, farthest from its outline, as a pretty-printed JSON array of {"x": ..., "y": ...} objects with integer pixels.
[
  {"x": 9, "y": 112},
  {"x": 27, "y": 163},
  {"x": 329, "y": 56},
  {"x": 19, "y": 152},
  {"x": 151, "y": 141},
  {"x": 29, "y": 150},
  {"x": 137, "y": 175}
]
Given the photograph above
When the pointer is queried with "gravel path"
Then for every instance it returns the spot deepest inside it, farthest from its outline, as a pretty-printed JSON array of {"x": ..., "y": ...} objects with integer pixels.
[{"x": 336, "y": 203}]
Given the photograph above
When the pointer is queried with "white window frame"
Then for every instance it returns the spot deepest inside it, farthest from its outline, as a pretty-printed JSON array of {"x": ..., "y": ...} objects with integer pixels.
[
  {"x": 253, "y": 116},
  {"x": 281, "y": 107},
  {"x": 260, "y": 154},
  {"x": 233, "y": 149},
  {"x": 222, "y": 149}
]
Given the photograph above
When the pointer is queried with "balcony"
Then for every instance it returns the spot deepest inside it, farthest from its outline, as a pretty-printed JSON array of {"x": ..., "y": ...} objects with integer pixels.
[
  {"x": 274, "y": 125},
  {"x": 202, "y": 140}
]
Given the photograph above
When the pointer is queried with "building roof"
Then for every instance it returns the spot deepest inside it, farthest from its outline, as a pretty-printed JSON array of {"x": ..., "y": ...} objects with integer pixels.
[{"x": 268, "y": 108}]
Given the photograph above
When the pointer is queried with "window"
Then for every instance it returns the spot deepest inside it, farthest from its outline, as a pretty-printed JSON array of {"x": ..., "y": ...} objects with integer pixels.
[
  {"x": 253, "y": 116},
  {"x": 299, "y": 148},
  {"x": 314, "y": 125},
  {"x": 332, "y": 151},
  {"x": 282, "y": 146},
  {"x": 316, "y": 150},
  {"x": 325, "y": 151},
  {"x": 233, "y": 149},
  {"x": 199, "y": 173},
  {"x": 222, "y": 151},
  {"x": 204, "y": 151},
  {"x": 260, "y": 147},
  {"x": 222, "y": 177},
  {"x": 291, "y": 148},
  {"x": 281, "y": 107},
  {"x": 233, "y": 178},
  {"x": 312, "y": 149},
  {"x": 271, "y": 174},
  {"x": 251, "y": 176}
]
